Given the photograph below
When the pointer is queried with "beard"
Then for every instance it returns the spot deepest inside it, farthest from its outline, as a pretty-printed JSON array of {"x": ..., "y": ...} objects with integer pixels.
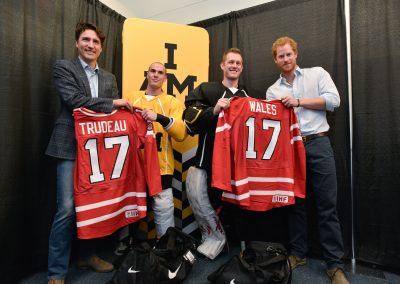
[{"x": 288, "y": 68}]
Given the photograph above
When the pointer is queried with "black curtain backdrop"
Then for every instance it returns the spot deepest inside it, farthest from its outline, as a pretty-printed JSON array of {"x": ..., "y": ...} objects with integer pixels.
[
  {"x": 319, "y": 28},
  {"x": 33, "y": 34},
  {"x": 375, "y": 32}
]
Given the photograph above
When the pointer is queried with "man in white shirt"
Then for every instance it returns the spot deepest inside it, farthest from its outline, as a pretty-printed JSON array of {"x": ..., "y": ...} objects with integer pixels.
[{"x": 311, "y": 92}]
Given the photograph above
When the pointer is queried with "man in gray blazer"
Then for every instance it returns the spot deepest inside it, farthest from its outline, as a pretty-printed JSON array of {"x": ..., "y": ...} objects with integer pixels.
[{"x": 79, "y": 83}]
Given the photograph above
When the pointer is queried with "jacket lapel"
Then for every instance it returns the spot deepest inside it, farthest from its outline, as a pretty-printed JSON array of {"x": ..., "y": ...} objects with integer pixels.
[
  {"x": 83, "y": 77},
  {"x": 101, "y": 84}
]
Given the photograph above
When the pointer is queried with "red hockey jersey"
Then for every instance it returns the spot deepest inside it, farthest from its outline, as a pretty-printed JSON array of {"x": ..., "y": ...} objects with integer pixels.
[
  {"x": 259, "y": 156},
  {"x": 111, "y": 170}
]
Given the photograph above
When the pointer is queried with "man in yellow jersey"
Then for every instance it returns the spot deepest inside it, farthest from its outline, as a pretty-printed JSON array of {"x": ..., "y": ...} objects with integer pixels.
[{"x": 165, "y": 111}]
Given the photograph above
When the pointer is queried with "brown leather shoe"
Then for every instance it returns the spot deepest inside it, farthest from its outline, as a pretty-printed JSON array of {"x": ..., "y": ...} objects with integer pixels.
[
  {"x": 56, "y": 281},
  {"x": 337, "y": 276},
  {"x": 296, "y": 261},
  {"x": 96, "y": 263}
]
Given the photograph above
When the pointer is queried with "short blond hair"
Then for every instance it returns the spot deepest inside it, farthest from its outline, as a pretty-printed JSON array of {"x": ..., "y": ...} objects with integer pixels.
[{"x": 231, "y": 50}]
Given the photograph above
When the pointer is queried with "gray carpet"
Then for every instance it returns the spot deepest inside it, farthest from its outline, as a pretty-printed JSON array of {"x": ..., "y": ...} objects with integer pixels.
[{"x": 312, "y": 273}]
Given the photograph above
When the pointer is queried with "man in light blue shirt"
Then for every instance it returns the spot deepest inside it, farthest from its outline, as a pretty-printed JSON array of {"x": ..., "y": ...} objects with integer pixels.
[
  {"x": 311, "y": 92},
  {"x": 93, "y": 77}
]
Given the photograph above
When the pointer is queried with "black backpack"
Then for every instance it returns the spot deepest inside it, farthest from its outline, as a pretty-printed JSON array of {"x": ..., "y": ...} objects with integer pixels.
[
  {"x": 260, "y": 262},
  {"x": 169, "y": 261}
]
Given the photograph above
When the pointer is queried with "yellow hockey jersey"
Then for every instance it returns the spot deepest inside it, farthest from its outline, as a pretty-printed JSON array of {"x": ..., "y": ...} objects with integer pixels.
[{"x": 171, "y": 107}]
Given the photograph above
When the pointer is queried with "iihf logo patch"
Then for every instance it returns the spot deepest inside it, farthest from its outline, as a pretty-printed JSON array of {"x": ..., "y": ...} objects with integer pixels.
[
  {"x": 280, "y": 198},
  {"x": 131, "y": 214}
]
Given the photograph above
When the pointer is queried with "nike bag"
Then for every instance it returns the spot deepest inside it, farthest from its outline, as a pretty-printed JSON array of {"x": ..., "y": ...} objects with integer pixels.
[
  {"x": 169, "y": 261},
  {"x": 261, "y": 262}
]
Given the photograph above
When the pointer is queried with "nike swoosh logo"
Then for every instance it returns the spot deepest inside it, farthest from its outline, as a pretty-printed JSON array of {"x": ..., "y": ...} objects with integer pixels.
[
  {"x": 130, "y": 270},
  {"x": 172, "y": 275},
  {"x": 232, "y": 281}
]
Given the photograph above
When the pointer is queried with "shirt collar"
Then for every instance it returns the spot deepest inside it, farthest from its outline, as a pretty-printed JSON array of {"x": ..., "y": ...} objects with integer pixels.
[
  {"x": 297, "y": 72},
  {"x": 239, "y": 87},
  {"x": 87, "y": 66}
]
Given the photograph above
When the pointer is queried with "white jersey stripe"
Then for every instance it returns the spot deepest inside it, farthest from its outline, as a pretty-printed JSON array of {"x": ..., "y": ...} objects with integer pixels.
[
  {"x": 257, "y": 193},
  {"x": 272, "y": 192},
  {"x": 236, "y": 197},
  {"x": 109, "y": 216},
  {"x": 223, "y": 127},
  {"x": 261, "y": 179},
  {"x": 110, "y": 201},
  {"x": 296, "y": 138},
  {"x": 293, "y": 126}
]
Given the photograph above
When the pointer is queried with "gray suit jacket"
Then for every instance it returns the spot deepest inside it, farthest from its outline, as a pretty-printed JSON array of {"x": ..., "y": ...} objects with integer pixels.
[{"x": 73, "y": 88}]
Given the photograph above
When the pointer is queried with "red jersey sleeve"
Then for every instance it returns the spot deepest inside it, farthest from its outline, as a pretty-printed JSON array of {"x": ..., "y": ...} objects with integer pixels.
[
  {"x": 299, "y": 157},
  {"x": 151, "y": 162}
]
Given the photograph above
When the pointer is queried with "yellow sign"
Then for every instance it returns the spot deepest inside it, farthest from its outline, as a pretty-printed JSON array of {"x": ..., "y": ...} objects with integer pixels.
[{"x": 184, "y": 50}]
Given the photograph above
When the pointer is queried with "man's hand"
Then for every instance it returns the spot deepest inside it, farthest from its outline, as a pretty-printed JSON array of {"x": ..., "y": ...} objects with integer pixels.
[
  {"x": 149, "y": 115},
  {"x": 222, "y": 103},
  {"x": 290, "y": 101},
  {"x": 122, "y": 103}
]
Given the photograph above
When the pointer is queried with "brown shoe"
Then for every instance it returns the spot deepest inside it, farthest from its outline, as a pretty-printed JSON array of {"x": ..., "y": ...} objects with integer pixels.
[
  {"x": 296, "y": 261},
  {"x": 337, "y": 276},
  {"x": 96, "y": 263},
  {"x": 56, "y": 281}
]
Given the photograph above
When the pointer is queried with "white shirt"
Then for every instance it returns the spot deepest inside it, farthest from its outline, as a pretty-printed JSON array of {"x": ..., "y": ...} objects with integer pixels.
[
  {"x": 93, "y": 77},
  {"x": 308, "y": 83}
]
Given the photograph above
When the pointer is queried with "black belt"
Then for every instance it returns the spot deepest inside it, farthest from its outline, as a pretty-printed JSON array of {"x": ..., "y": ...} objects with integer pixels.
[{"x": 313, "y": 136}]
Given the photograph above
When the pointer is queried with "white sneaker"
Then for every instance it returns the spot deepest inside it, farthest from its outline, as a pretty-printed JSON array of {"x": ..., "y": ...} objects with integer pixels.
[{"x": 211, "y": 247}]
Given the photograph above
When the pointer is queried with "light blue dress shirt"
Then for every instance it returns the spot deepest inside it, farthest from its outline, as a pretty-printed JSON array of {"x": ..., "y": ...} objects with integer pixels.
[
  {"x": 308, "y": 83},
  {"x": 93, "y": 77}
]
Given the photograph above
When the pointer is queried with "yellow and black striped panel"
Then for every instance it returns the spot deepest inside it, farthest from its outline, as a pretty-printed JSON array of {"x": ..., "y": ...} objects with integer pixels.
[
  {"x": 145, "y": 228},
  {"x": 184, "y": 50},
  {"x": 184, "y": 218}
]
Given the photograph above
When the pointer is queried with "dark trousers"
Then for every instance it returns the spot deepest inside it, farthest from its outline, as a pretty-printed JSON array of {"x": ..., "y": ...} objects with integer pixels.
[{"x": 321, "y": 175}]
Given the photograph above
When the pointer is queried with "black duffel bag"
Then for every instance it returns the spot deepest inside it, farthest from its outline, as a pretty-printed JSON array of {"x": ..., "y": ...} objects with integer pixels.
[
  {"x": 169, "y": 261},
  {"x": 260, "y": 262}
]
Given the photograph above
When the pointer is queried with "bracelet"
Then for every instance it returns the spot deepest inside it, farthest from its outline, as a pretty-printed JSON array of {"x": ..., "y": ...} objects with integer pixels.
[{"x": 298, "y": 102}]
